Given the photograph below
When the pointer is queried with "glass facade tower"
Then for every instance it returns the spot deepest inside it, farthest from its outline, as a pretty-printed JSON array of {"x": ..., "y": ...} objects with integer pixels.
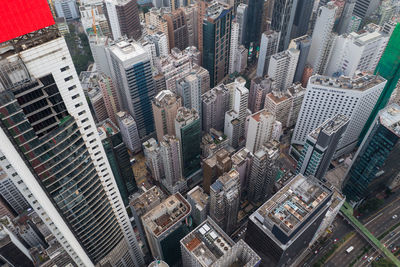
[
  {"x": 376, "y": 161},
  {"x": 389, "y": 68}
]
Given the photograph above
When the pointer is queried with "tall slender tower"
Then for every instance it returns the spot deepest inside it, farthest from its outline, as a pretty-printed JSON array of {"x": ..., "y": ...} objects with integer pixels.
[
  {"x": 389, "y": 68},
  {"x": 55, "y": 156},
  {"x": 282, "y": 20}
]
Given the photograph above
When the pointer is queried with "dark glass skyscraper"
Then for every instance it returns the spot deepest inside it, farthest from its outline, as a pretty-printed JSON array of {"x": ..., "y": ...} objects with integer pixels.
[
  {"x": 282, "y": 20},
  {"x": 119, "y": 159},
  {"x": 254, "y": 23},
  {"x": 302, "y": 18},
  {"x": 376, "y": 161},
  {"x": 389, "y": 68}
]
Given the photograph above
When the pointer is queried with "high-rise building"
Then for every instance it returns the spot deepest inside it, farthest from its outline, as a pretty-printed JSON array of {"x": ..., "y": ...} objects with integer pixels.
[
  {"x": 140, "y": 204},
  {"x": 225, "y": 200},
  {"x": 241, "y": 18},
  {"x": 253, "y": 28},
  {"x": 200, "y": 203},
  {"x": 215, "y": 166},
  {"x": 282, "y": 68},
  {"x": 303, "y": 44},
  {"x": 129, "y": 132},
  {"x": 10, "y": 194},
  {"x": 241, "y": 162},
  {"x": 191, "y": 22},
  {"x": 365, "y": 8},
  {"x": 282, "y": 20},
  {"x": 6, "y": 210},
  {"x": 209, "y": 245},
  {"x": 260, "y": 129},
  {"x": 239, "y": 94},
  {"x": 357, "y": 52},
  {"x": 93, "y": 16},
  {"x": 234, "y": 45},
  {"x": 281, "y": 229},
  {"x": 165, "y": 226},
  {"x": 160, "y": 41},
  {"x": 170, "y": 151},
  {"x": 189, "y": 89},
  {"x": 263, "y": 172},
  {"x": 214, "y": 105},
  {"x": 165, "y": 107},
  {"x": 307, "y": 73},
  {"x": 326, "y": 97},
  {"x": 320, "y": 147},
  {"x": 66, "y": 9},
  {"x": 322, "y": 38},
  {"x": 259, "y": 88},
  {"x": 123, "y": 18},
  {"x": 177, "y": 29},
  {"x": 188, "y": 131},
  {"x": 76, "y": 184},
  {"x": 375, "y": 162},
  {"x": 389, "y": 68},
  {"x": 132, "y": 75},
  {"x": 97, "y": 102},
  {"x": 155, "y": 22},
  {"x": 268, "y": 47},
  {"x": 345, "y": 18},
  {"x": 151, "y": 151},
  {"x": 110, "y": 97},
  {"x": 216, "y": 33},
  {"x": 118, "y": 157},
  {"x": 302, "y": 18},
  {"x": 12, "y": 251}
]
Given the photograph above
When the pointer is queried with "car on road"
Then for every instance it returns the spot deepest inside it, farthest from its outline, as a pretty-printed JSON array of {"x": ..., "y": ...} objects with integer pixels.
[
  {"x": 335, "y": 240},
  {"x": 316, "y": 252},
  {"x": 349, "y": 249},
  {"x": 365, "y": 257},
  {"x": 394, "y": 216},
  {"x": 370, "y": 259},
  {"x": 392, "y": 233},
  {"x": 394, "y": 250}
]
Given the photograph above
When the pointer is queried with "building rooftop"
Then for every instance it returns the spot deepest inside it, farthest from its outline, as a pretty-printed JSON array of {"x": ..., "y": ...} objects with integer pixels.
[
  {"x": 240, "y": 156},
  {"x": 143, "y": 203},
  {"x": 169, "y": 212},
  {"x": 224, "y": 180},
  {"x": 390, "y": 118},
  {"x": 215, "y": 10},
  {"x": 128, "y": 52},
  {"x": 263, "y": 113},
  {"x": 199, "y": 197},
  {"x": 165, "y": 98},
  {"x": 361, "y": 81},
  {"x": 186, "y": 116},
  {"x": 125, "y": 118},
  {"x": 207, "y": 243},
  {"x": 105, "y": 127},
  {"x": 292, "y": 205},
  {"x": 330, "y": 126}
]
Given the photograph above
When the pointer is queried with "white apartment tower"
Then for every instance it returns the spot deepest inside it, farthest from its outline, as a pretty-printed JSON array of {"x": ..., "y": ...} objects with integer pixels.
[
  {"x": 357, "y": 51},
  {"x": 282, "y": 68},
  {"x": 56, "y": 190},
  {"x": 234, "y": 46},
  {"x": 322, "y": 38},
  {"x": 326, "y": 97},
  {"x": 260, "y": 127},
  {"x": 268, "y": 47},
  {"x": 129, "y": 132}
]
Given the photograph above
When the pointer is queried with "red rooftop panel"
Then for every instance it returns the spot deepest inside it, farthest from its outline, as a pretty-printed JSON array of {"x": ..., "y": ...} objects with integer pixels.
[{"x": 19, "y": 17}]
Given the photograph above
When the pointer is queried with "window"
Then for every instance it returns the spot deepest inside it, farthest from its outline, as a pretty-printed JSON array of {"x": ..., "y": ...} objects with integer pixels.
[
  {"x": 68, "y": 78},
  {"x": 64, "y": 68},
  {"x": 75, "y": 96},
  {"x": 72, "y": 87},
  {"x": 82, "y": 112}
]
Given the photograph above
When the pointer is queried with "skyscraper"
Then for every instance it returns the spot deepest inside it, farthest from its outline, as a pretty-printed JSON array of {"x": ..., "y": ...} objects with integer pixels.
[
  {"x": 177, "y": 29},
  {"x": 110, "y": 97},
  {"x": 375, "y": 162},
  {"x": 357, "y": 51},
  {"x": 197, "y": 250},
  {"x": 200, "y": 203},
  {"x": 389, "y": 68},
  {"x": 303, "y": 44},
  {"x": 152, "y": 155},
  {"x": 282, "y": 20},
  {"x": 66, "y": 9},
  {"x": 215, "y": 166},
  {"x": 282, "y": 228},
  {"x": 12, "y": 251},
  {"x": 123, "y": 18},
  {"x": 241, "y": 18},
  {"x": 365, "y": 8},
  {"x": 214, "y": 105},
  {"x": 260, "y": 129},
  {"x": 188, "y": 131},
  {"x": 129, "y": 132},
  {"x": 268, "y": 47},
  {"x": 165, "y": 225},
  {"x": 302, "y": 18},
  {"x": 326, "y": 97},
  {"x": 165, "y": 107},
  {"x": 216, "y": 37},
  {"x": 73, "y": 187},
  {"x": 322, "y": 38},
  {"x": 171, "y": 158},
  {"x": 320, "y": 147},
  {"x": 132, "y": 74},
  {"x": 253, "y": 28},
  {"x": 263, "y": 172},
  {"x": 346, "y": 16},
  {"x": 118, "y": 157},
  {"x": 225, "y": 200},
  {"x": 282, "y": 68},
  {"x": 259, "y": 88}
]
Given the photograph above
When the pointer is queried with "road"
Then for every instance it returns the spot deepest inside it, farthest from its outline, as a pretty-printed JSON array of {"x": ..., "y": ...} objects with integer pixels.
[{"x": 377, "y": 223}]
